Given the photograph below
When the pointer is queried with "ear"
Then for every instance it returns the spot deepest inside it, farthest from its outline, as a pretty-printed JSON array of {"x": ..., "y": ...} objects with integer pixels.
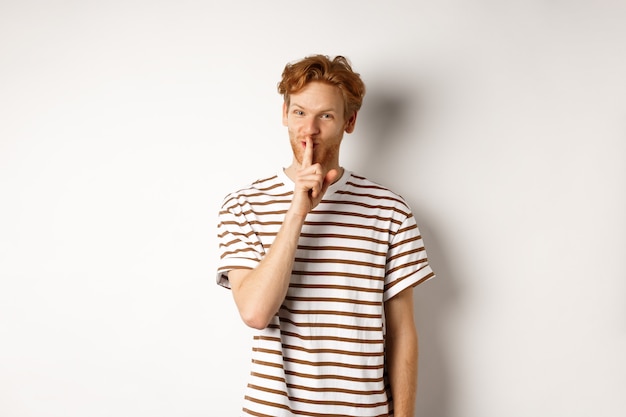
[
  {"x": 285, "y": 108},
  {"x": 350, "y": 124}
]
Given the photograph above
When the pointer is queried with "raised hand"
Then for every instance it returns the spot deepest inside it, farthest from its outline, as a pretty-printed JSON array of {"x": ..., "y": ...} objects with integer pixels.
[{"x": 311, "y": 182}]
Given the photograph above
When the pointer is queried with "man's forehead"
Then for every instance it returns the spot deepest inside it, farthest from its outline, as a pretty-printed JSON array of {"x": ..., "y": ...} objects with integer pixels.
[{"x": 317, "y": 95}]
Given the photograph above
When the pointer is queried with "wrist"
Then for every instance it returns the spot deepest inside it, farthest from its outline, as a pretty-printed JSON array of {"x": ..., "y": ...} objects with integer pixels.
[{"x": 295, "y": 215}]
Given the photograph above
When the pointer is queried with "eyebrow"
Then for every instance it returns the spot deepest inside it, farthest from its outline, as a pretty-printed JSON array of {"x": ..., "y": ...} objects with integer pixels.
[{"x": 329, "y": 110}]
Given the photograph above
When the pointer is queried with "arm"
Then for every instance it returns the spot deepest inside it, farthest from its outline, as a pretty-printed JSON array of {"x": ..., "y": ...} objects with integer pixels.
[
  {"x": 402, "y": 352},
  {"x": 259, "y": 292}
]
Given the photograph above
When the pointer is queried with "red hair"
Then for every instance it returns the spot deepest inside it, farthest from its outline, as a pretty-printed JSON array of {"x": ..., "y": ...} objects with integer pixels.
[{"x": 336, "y": 71}]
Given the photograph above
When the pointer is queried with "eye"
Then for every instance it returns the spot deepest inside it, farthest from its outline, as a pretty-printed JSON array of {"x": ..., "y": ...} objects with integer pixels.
[
  {"x": 327, "y": 116},
  {"x": 298, "y": 112}
]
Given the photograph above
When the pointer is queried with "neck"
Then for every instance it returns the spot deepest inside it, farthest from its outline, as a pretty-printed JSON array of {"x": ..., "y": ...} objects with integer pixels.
[{"x": 292, "y": 169}]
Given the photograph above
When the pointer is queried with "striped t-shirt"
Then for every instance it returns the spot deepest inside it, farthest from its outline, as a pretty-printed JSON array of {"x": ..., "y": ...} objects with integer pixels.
[{"x": 323, "y": 352}]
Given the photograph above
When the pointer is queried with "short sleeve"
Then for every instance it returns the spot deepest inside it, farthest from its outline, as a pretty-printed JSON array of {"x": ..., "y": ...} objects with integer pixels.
[
  {"x": 239, "y": 246},
  {"x": 407, "y": 262}
]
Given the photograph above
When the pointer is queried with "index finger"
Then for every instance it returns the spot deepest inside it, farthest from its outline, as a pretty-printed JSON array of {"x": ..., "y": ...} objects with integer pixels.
[{"x": 307, "y": 158}]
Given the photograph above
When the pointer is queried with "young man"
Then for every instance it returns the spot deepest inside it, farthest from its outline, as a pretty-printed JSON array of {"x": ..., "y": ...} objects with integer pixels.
[{"x": 322, "y": 262}]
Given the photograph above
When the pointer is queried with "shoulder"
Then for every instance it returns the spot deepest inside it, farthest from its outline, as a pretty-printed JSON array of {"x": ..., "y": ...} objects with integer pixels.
[
  {"x": 362, "y": 187},
  {"x": 263, "y": 188}
]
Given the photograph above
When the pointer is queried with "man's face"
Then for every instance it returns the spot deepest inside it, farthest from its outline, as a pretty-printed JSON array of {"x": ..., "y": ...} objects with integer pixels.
[{"x": 317, "y": 112}]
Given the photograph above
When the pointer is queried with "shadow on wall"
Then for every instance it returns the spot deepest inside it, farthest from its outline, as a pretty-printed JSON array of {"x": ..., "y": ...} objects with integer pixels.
[
  {"x": 388, "y": 127},
  {"x": 381, "y": 123}
]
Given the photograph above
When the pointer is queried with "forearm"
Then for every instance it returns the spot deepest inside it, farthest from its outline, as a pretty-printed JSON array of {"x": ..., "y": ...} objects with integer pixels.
[
  {"x": 402, "y": 357},
  {"x": 259, "y": 292},
  {"x": 401, "y": 352}
]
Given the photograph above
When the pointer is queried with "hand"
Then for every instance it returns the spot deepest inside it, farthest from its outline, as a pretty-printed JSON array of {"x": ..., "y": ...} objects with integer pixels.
[{"x": 311, "y": 182}]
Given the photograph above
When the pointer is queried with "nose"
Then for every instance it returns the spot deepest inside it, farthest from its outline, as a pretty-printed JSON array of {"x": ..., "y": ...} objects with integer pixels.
[{"x": 311, "y": 126}]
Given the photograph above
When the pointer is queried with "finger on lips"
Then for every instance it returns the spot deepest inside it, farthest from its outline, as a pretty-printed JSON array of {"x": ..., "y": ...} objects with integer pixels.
[{"x": 307, "y": 158}]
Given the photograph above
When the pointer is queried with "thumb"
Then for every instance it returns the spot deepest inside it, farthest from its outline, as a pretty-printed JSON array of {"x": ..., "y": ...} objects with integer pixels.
[{"x": 331, "y": 176}]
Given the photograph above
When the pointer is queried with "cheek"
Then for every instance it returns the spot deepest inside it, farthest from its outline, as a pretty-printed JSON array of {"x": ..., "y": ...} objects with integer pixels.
[
  {"x": 292, "y": 125},
  {"x": 292, "y": 130},
  {"x": 337, "y": 133}
]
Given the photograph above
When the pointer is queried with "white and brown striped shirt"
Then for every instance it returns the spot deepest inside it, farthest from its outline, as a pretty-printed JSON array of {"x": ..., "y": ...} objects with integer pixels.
[{"x": 323, "y": 352}]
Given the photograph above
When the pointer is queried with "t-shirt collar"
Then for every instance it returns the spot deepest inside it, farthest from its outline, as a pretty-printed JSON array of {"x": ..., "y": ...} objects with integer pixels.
[{"x": 337, "y": 185}]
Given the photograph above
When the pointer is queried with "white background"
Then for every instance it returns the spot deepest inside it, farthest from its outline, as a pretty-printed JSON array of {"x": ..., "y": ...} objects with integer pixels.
[{"x": 124, "y": 123}]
